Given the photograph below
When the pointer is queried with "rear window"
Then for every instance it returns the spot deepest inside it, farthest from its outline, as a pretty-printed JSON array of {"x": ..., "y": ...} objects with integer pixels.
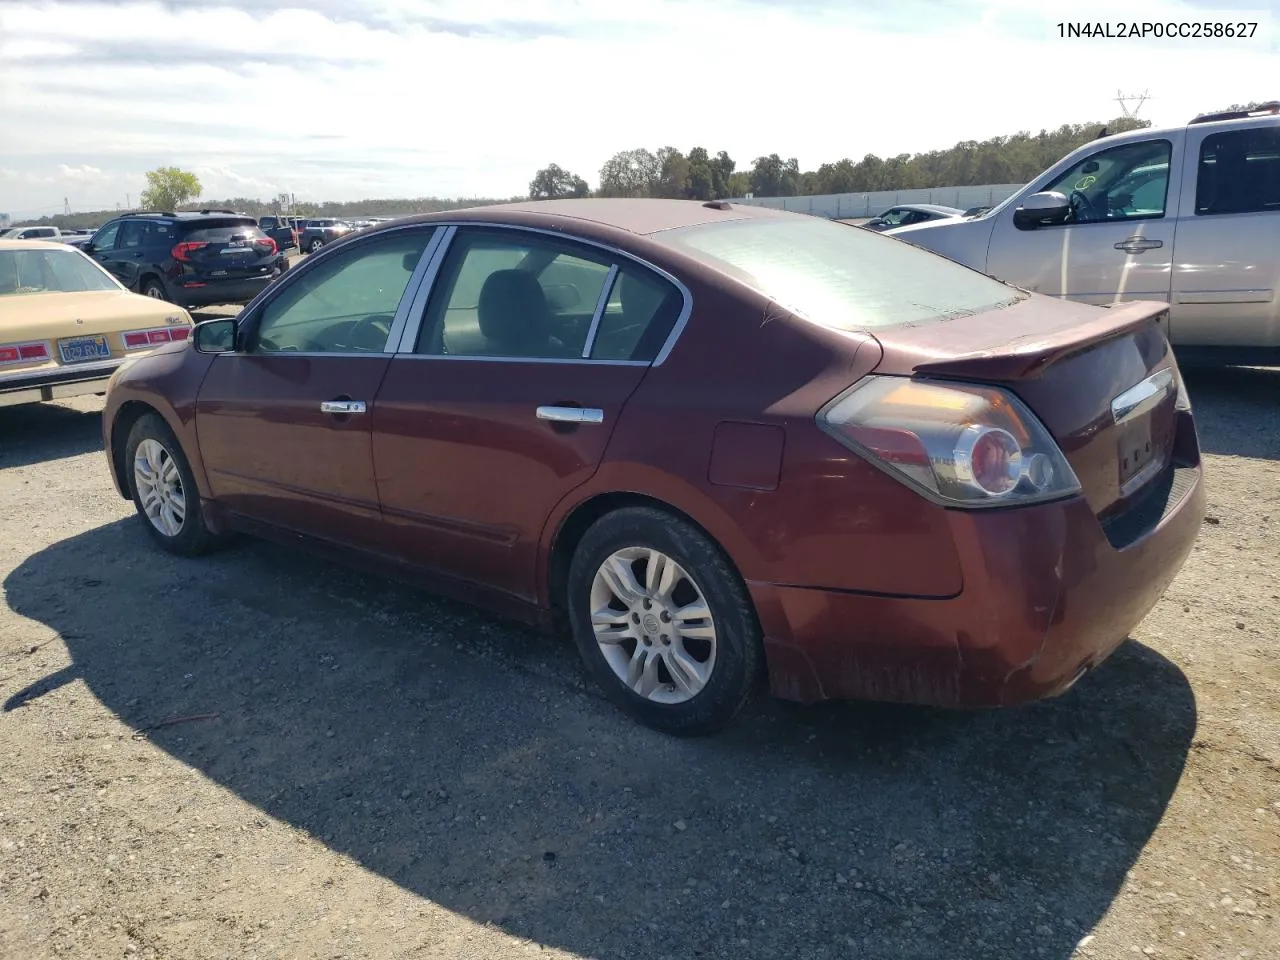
[
  {"x": 50, "y": 271},
  {"x": 220, "y": 231},
  {"x": 840, "y": 276}
]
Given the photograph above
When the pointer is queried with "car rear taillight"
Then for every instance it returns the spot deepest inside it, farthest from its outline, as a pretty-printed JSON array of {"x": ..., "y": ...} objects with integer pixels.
[
  {"x": 265, "y": 246},
  {"x": 183, "y": 251},
  {"x": 961, "y": 444},
  {"x": 23, "y": 352},
  {"x": 140, "y": 339}
]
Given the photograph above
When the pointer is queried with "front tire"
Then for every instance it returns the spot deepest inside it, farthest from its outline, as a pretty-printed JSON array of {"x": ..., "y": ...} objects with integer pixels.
[
  {"x": 663, "y": 622},
  {"x": 314, "y": 246},
  {"x": 164, "y": 488}
]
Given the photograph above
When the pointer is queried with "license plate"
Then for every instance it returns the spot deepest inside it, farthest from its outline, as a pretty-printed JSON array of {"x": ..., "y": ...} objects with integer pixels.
[
  {"x": 217, "y": 273},
  {"x": 1139, "y": 455},
  {"x": 80, "y": 349}
]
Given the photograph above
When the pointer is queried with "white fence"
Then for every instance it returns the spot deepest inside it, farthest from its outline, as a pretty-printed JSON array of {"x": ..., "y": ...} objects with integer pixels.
[{"x": 840, "y": 206}]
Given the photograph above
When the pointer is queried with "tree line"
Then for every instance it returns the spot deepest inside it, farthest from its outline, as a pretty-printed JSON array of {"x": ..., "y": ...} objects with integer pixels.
[{"x": 697, "y": 175}]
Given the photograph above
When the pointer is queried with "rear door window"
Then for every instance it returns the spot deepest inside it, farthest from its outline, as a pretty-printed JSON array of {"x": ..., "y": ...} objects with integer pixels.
[
  {"x": 1239, "y": 172},
  {"x": 131, "y": 234}
]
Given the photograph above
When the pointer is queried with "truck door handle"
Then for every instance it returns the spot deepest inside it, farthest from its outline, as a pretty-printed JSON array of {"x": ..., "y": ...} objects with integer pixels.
[
  {"x": 571, "y": 414},
  {"x": 1138, "y": 245},
  {"x": 342, "y": 406}
]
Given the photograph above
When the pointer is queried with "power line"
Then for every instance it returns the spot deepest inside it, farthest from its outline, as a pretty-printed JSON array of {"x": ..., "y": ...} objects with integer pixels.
[{"x": 1125, "y": 99}]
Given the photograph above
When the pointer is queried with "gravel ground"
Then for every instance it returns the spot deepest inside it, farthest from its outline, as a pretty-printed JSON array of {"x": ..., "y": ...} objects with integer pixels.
[{"x": 261, "y": 755}]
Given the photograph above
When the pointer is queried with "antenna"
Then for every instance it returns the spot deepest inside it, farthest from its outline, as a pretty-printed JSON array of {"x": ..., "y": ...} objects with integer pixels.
[{"x": 1125, "y": 99}]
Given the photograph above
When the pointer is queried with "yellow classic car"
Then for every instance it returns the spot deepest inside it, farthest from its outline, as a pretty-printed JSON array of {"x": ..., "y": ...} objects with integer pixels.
[{"x": 66, "y": 324}]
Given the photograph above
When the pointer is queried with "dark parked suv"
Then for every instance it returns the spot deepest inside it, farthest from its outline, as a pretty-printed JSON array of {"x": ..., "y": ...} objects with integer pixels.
[{"x": 191, "y": 259}]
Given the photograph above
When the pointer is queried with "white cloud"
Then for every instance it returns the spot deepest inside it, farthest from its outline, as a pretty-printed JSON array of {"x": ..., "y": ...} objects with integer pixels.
[{"x": 346, "y": 99}]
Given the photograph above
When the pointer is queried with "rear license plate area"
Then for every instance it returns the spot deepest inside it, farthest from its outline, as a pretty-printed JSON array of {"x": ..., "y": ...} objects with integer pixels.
[
  {"x": 1140, "y": 453},
  {"x": 82, "y": 349}
]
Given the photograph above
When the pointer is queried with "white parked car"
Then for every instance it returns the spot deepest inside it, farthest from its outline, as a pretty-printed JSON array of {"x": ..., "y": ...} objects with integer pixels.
[{"x": 1189, "y": 215}]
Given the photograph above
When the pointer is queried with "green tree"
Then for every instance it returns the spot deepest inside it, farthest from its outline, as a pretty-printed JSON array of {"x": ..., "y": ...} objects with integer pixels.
[
  {"x": 552, "y": 182},
  {"x": 674, "y": 174},
  {"x": 630, "y": 173},
  {"x": 168, "y": 188},
  {"x": 772, "y": 176}
]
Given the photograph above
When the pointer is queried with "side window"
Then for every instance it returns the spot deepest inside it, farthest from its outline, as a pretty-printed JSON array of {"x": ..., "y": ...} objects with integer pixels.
[
  {"x": 105, "y": 239},
  {"x": 504, "y": 293},
  {"x": 1103, "y": 186},
  {"x": 1239, "y": 172},
  {"x": 642, "y": 309},
  {"x": 131, "y": 232},
  {"x": 159, "y": 234},
  {"x": 345, "y": 304}
]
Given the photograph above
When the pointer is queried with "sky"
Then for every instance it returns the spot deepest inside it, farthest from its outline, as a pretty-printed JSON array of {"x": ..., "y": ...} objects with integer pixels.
[{"x": 350, "y": 99}]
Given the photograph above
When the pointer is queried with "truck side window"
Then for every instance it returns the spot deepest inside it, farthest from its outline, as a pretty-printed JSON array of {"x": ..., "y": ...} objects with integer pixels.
[
  {"x": 1239, "y": 172},
  {"x": 1126, "y": 182}
]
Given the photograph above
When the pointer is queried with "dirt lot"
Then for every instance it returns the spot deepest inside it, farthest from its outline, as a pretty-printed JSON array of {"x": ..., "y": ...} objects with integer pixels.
[{"x": 362, "y": 771}]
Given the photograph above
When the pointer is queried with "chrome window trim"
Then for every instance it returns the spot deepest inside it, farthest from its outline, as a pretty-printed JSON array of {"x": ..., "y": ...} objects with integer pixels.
[
  {"x": 426, "y": 283},
  {"x": 252, "y": 311},
  {"x": 418, "y": 311},
  {"x": 410, "y": 290},
  {"x": 601, "y": 303},
  {"x": 560, "y": 360}
]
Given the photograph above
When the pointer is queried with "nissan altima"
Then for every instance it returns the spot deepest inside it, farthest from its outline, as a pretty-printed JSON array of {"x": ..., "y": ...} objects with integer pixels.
[{"x": 717, "y": 444}]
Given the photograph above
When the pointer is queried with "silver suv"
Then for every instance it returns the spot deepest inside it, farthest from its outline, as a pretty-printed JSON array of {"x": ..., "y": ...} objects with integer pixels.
[{"x": 1189, "y": 215}]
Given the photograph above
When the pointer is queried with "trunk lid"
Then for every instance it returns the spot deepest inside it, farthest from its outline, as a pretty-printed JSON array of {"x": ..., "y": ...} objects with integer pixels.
[
  {"x": 1102, "y": 381},
  {"x": 83, "y": 327}
]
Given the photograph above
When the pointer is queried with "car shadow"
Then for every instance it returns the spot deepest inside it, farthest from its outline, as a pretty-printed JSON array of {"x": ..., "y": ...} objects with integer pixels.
[
  {"x": 1236, "y": 410},
  {"x": 42, "y": 432},
  {"x": 464, "y": 760}
]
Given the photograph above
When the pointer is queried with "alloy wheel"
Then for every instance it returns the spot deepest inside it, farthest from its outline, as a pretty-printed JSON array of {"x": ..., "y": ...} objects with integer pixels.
[
  {"x": 159, "y": 484},
  {"x": 653, "y": 625}
]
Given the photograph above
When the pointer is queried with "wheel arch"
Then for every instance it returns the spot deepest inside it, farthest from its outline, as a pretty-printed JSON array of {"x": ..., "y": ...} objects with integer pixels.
[{"x": 568, "y": 533}]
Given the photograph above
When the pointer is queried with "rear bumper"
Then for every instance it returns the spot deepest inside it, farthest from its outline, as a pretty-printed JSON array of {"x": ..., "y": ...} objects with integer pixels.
[
  {"x": 57, "y": 383},
  {"x": 210, "y": 292},
  {"x": 1046, "y": 597}
]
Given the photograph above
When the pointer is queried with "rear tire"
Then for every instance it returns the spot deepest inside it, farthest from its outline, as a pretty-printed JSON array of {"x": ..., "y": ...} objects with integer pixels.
[
  {"x": 683, "y": 652},
  {"x": 164, "y": 489},
  {"x": 314, "y": 245},
  {"x": 151, "y": 287}
]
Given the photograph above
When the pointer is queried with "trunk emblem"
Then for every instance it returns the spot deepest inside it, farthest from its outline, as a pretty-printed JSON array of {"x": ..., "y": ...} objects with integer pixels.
[{"x": 1142, "y": 397}]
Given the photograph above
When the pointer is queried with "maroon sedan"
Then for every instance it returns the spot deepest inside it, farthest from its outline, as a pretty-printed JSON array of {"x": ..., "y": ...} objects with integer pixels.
[{"x": 716, "y": 441}]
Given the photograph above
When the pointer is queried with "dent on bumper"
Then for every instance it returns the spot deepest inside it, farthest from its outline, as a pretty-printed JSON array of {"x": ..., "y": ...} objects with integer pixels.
[{"x": 1045, "y": 599}]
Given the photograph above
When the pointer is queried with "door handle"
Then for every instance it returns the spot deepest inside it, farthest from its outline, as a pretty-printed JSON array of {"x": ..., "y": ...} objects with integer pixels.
[
  {"x": 342, "y": 406},
  {"x": 571, "y": 414},
  {"x": 1138, "y": 245}
]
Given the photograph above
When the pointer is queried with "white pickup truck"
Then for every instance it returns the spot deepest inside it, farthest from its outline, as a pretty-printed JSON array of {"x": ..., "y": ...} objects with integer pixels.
[
  {"x": 1189, "y": 215},
  {"x": 52, "y": 234}
]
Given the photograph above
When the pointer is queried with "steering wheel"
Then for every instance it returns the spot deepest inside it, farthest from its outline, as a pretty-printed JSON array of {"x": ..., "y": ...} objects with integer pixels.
[
  {"x": 1083, "y": 207},
  {"x": 377, "y": 321}
]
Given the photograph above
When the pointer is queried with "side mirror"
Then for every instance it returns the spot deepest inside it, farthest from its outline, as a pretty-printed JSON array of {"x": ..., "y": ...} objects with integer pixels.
[
  {"x": 87, "y": 246},
  {"x": 1049, "y": 207},
  {"x": 214, "y": 336}
]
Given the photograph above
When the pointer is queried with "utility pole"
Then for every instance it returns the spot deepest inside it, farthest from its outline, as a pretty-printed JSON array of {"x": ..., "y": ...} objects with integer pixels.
[
  {"x": 128, "y": 202},
  {"x": 66, "y": 206}
]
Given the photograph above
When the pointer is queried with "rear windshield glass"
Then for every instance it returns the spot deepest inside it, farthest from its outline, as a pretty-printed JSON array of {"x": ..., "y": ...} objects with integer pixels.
[
  {"x": 219, "y": 231},
  {"x": 840, "y": 276},
  {"x": 50, "y": 271}
]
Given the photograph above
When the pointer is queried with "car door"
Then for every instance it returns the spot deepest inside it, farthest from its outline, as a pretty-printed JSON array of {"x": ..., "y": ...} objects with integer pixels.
[
  {"x": 127, "y": 257},
  {"x": 1108, "y": 249},
  {"x": 103, "y": 246},
  {"x": 284, "y": 421},
  {"x": 503, "y": 398},
  {"x": 1226, "y": 278}
]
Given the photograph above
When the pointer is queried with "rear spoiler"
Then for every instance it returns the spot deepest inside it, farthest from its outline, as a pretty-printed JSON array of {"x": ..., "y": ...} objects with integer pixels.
[{"x": 1025, "y": 357}]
